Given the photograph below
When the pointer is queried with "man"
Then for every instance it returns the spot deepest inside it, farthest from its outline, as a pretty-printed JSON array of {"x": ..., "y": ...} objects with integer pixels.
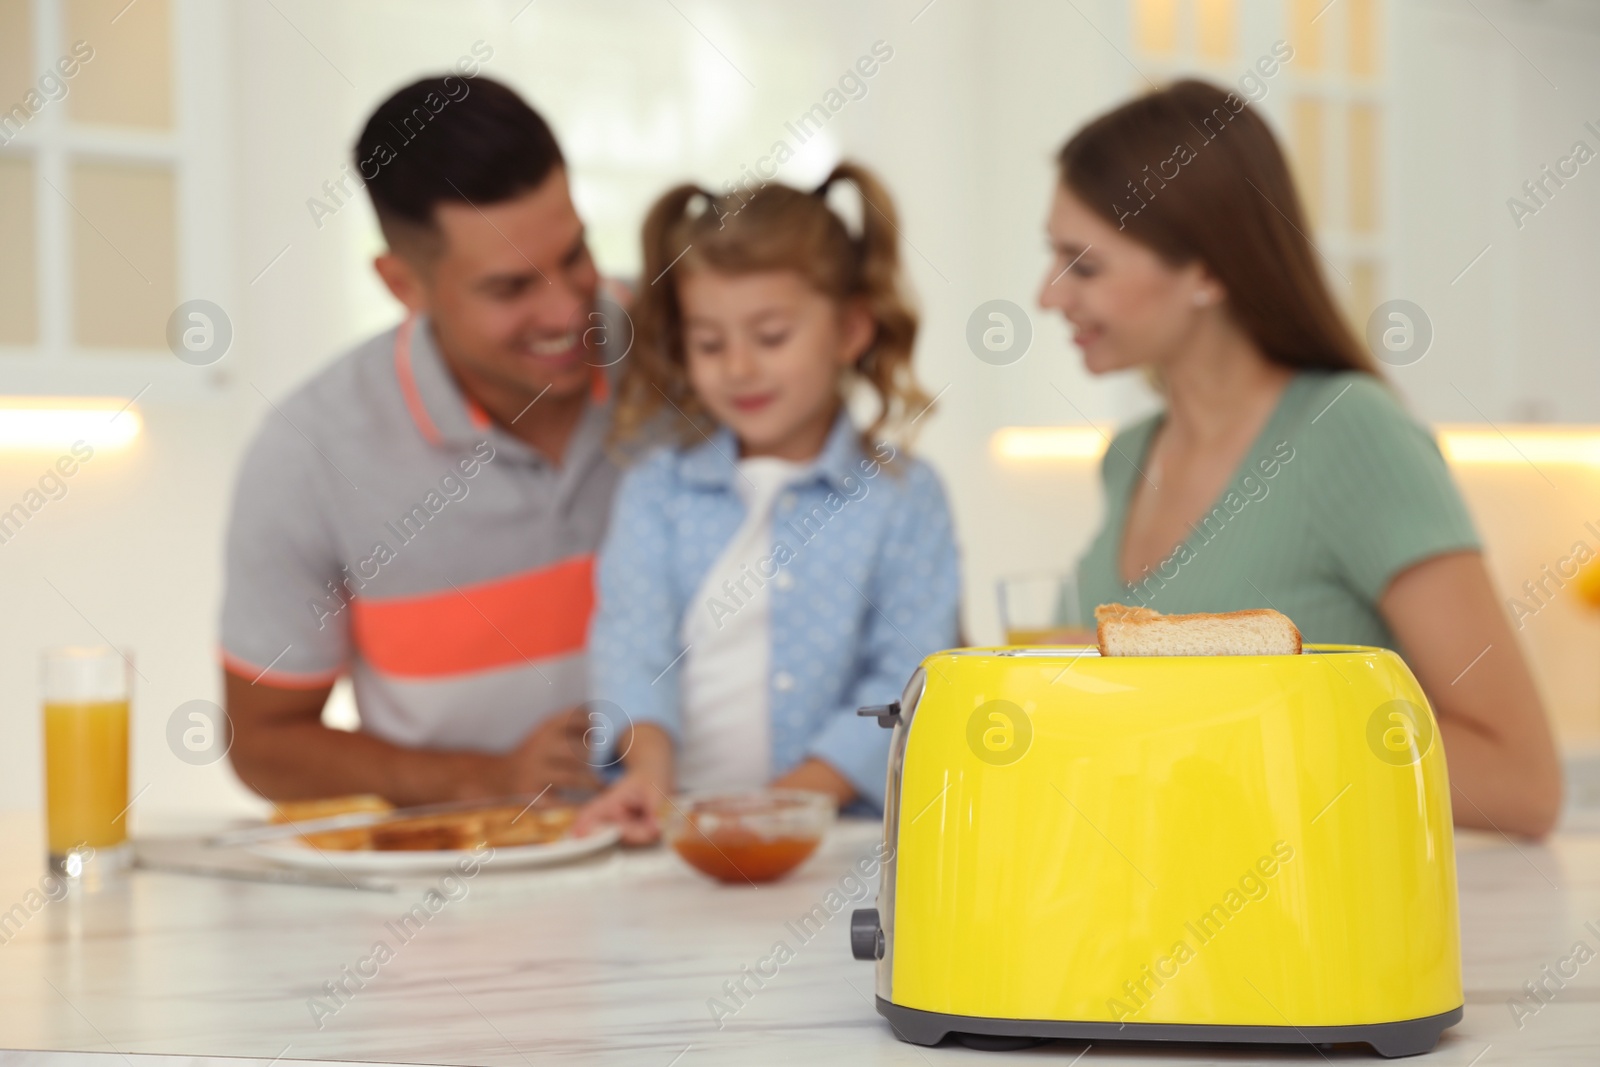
[{"x": 423, "y": 514}]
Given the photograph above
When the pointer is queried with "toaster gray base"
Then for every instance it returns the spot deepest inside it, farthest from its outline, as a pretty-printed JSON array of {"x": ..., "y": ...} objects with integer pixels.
[{"x": 1410, "y": 1037}]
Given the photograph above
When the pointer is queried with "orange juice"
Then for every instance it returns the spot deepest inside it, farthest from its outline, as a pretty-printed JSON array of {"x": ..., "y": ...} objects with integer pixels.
[
  {"x": 1049, "y": 635},
  {"x": 86, "y": 773},
  {"x": 1025, "y": 636},
  {"x": 1041, "y": 609}
]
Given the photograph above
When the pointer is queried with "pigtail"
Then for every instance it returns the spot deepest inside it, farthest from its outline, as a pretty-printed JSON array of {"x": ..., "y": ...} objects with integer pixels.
[
  {"x": 886, "y": 365},
  {"x": 655, "y": 379},
  {"x": 774, "y": 227}
]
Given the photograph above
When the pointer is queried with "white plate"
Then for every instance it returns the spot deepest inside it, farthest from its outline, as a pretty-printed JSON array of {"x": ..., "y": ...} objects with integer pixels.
[{"x": 296, "y": 853}]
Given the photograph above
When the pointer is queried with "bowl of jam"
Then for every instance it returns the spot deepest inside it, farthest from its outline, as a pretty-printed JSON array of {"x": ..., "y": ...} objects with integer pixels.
[{"x": 748, "y": 837}]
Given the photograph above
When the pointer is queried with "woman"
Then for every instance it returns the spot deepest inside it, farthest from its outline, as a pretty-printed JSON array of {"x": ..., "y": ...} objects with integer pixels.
[{"x": 1282, "y": 471}]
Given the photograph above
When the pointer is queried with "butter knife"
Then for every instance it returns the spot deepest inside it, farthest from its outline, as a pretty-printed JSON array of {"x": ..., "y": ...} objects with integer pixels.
[{"x": 277, "y": 875}]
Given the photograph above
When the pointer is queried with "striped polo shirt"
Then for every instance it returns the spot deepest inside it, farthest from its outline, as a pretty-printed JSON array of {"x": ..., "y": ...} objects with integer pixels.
[{"x": 385, "y": 527}]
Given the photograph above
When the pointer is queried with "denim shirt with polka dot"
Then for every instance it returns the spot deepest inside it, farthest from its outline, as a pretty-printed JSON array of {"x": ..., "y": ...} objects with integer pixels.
[{"x": 864, "y": 576}]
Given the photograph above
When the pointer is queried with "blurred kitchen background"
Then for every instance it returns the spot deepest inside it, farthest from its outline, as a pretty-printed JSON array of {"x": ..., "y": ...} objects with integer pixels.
[{"x": 196, "y": 155}]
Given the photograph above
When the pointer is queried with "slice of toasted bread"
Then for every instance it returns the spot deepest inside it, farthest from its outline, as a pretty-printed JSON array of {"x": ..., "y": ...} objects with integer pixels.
[
  {"x": 498, "y": 825},
  {"x": 507, "y": 827},
  {"x": 350, "y": 840},
  {"x": 431, "y": 833},
  {"x": 325, "y": 807},
  {"x": 354, "y": 839},
  {"x": 1123, "y": 611},
  {"x": 1142, "y": 632}
]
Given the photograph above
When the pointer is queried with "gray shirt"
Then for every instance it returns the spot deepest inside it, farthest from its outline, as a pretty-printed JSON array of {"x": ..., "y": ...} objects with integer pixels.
[{"x": 383, "y": 526}]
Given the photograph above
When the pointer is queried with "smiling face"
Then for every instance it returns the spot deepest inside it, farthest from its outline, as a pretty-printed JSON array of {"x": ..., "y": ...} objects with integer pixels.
[
  {"x": 1127, "y": 306},
  {"x": 510, "y": 288},
  {"x": 764, "y": 351}
]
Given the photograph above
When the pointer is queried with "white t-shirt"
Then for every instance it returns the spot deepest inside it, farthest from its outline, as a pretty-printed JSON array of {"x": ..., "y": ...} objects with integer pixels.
[{"x": 727, "y": 716}]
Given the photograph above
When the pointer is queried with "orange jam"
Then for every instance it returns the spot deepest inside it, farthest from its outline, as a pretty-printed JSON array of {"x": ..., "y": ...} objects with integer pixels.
[{"x": 734, "y": 854}]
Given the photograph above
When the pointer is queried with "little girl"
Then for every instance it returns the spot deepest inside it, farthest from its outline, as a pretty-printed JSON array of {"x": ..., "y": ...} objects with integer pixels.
[{"x": 777, "y": 568}]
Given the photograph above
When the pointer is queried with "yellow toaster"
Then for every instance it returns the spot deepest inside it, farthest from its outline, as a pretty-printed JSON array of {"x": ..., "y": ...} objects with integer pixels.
[{"x": 1225, "y": 848}]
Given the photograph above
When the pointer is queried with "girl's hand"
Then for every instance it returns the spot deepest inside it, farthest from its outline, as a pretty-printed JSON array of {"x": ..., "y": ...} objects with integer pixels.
[{"x": 631, "y": 805}]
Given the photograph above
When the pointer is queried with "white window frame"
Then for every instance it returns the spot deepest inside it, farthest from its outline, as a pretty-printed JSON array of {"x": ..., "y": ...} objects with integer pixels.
[
  {"x": 195, "y": 150},
  {"x": 1337, "y": 90}
]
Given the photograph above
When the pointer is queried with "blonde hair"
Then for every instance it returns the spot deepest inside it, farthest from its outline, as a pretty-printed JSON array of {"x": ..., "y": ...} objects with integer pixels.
[{"x": 777, "y": 227}]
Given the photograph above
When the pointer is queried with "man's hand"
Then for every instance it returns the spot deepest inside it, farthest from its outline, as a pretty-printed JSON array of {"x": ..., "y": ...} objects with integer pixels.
[
  {"x": 552, "y": 754},
  {"x": 281, "y": 750}
]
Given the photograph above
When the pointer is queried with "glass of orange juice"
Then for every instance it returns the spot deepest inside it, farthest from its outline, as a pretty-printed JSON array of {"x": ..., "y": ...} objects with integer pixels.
[
  {"x": 86, "y": 693},
  {"x": 1042, "y": 609}
]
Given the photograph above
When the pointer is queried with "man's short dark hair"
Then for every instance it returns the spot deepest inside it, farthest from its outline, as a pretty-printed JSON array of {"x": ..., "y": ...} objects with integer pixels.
[{"x": 450, "y": 139}]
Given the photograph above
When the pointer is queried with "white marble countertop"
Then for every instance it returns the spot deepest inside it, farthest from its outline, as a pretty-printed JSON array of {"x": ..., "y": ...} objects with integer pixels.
[{"x": 615, "y": 959}]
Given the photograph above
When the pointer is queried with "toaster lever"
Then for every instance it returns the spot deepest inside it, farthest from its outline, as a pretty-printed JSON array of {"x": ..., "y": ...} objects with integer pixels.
[{"x": 888, "y": 715}]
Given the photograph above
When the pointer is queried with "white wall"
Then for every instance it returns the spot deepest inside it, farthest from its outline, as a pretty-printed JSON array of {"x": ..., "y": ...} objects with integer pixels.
[
  {"x": 1475, "y": 117},
  {"x": 963, "y": 122}
]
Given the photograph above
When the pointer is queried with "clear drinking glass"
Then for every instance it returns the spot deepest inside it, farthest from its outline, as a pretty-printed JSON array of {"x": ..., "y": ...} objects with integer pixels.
[
  {"x": 1041, "y": 609},
  {"x": 86, "y": 696}
]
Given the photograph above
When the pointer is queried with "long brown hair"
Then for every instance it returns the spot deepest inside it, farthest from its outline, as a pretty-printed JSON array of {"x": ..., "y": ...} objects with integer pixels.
[
  {"x": 775, "y": 227},
  {"x": 1192, "y": 172}
]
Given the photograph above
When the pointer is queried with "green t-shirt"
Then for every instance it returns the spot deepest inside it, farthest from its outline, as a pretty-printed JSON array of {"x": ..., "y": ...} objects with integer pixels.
[{"x": 1341, "y": 491}]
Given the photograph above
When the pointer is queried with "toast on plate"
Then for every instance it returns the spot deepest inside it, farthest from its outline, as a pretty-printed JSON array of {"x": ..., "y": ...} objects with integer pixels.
[
  {"x": 430, "y": 833},
  {"x": 508, "y": 827},
  {"x": 325, "y": 807},
  {"x": 496, "y": 825}
]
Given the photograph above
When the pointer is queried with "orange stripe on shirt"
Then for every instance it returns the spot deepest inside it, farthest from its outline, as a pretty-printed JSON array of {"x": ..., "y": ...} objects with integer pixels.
[
  {"x": 521, "y": 618},
  {"x": 408, "y": 383}
]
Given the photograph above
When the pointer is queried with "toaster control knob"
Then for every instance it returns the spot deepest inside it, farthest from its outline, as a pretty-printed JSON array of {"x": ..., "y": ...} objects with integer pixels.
[{"x": 866, "y": 936}]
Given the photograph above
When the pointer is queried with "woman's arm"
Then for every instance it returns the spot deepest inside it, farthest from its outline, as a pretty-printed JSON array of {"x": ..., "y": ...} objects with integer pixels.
[{"x": 1504, "y": 771}]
